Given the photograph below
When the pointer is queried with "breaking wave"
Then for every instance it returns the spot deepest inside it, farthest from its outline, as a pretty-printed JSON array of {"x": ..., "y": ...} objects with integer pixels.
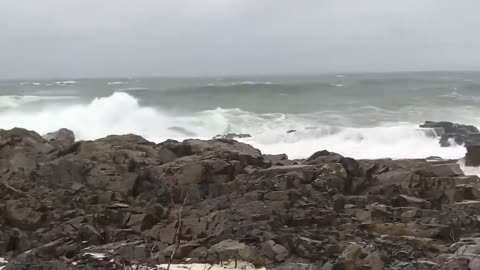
[
  {"x": 31, "y": 83},
  {"x": 65, "y": 82},
  {"x": 116, "y": 83},
  {"x": 121, "y": 113}
]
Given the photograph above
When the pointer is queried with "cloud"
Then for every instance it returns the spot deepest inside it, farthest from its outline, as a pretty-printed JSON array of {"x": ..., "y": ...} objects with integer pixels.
[{"x": 91, "y": 38}]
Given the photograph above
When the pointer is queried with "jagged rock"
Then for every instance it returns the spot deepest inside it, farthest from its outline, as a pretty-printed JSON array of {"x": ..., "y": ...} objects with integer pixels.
[
  {"x": 413, "y": 229},
  {"x": 439, "y": 170},
  {"x": 122, "y": 200},
  {"x": 274, "y": 251},
  {"x": 299, "y": 266},
  {"x": 62, "y": 137},
  {"x": 419, "y": 265},
  {"x": 449, "y": 130},
  {"x": 37, "y": 258},
  {"x": 21, "y": 150},
  {"x": 307, "y": 247},
  {"x": 232, "y": 250},
  {"x": 280, "y": 159},
  {"x": 20, "y": 214},
  {"x": 405, "y": 200},
  {"x": 204, "y": 147},
  {"x": 459, "y": 263},
  {"x": 472, "y": 157},
  {"x": 355, "y": 257}
]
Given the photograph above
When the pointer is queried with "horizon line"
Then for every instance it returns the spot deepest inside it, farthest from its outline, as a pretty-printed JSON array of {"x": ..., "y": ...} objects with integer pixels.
[{"x": 239, "y": 75}]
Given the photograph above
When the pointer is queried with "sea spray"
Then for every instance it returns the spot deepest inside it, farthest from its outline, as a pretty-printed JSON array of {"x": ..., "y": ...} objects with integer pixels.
[{"x": 121, "y": 113}]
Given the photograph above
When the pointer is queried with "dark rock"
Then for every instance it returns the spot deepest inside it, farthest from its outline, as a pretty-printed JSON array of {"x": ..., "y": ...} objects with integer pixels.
[
  {"x": 278, "y": 159},
  {"x": 232, "y": 250},
  {"x": 438, "y": 170},
  {"x": 472, "y": 158},
  {"x": 274, "y": 251},
  {"x": 451, "y": 131},
  {"x": 62, "y": 137},
  {"x": 409, "y": 201},
  {"x": 20, "y": 214},
  {"x": 122, "y": 200},
  {"x": 21, "y": 150},
  {"x": 323, "y": 153},
  {"x": 355, "y": 257}
]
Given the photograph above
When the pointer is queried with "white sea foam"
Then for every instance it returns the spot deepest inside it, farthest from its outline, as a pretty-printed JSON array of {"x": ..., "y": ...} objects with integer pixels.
[
  {"x": 30, "y": 83},
  {"x": 468, "y": 170},
  {"x": 3, "y": 262},
  {"x": 66, "y": 82},
  {"x": 121, "y": 113},
  {"x": 116, "y": 83},
  {"x": 251, "y": 83},
  {"x": 96, "y": 255}
]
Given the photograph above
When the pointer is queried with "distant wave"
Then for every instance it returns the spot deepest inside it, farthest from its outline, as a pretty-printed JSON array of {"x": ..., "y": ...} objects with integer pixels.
[
  {"x": 132, "y": 89},
  {"x": 30, "y": 83},
  {"x": 461, "y": 97},
  {"x": 251, "y": 83},
  {"x": 65, "y": 82},
  {"x": 16, "y": 101},
  {"x": 453, "y": 94},
  {"x": 116, "y": 83},
  {"x": 227, "y": 84}
]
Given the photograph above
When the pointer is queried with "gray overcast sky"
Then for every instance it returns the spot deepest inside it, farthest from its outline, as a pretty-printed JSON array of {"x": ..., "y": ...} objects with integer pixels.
[{"x": 98, "y": 38}]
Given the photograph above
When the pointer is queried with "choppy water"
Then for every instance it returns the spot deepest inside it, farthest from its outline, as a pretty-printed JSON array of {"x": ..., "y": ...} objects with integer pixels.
[{"x": 360, "y": 115}]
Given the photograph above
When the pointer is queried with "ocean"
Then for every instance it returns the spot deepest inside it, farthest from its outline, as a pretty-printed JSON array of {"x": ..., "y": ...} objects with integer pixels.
[{"x": 357, "y": 115}]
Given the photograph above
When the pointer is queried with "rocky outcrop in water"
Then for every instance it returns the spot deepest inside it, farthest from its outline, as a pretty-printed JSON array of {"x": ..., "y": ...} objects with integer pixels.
[
  {"x": 448, "y": 131},
  {"x": 466, "y": 135},
  {"x": 122, "y": 200}
]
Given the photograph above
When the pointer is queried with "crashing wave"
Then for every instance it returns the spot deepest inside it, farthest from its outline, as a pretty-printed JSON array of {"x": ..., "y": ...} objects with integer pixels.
[{"x": 121, "y": 113}]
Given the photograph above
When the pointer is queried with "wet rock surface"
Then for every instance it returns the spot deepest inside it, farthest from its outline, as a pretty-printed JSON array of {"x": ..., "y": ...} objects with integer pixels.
[
  {"x": 459, "y": 134},
  {"x": 121, "y": 201},
  {"x": 448, "y": 132}
]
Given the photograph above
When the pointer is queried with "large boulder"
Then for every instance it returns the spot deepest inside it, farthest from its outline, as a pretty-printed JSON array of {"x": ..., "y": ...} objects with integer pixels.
[
  {"x": 62, "y": 137},
  {"x": 21, "y": 150},
  {"x": 232, "y": 250}
]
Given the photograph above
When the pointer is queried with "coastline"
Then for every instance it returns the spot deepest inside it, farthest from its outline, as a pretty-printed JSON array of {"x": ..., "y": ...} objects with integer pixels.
[{"x": 122, "y": 200}]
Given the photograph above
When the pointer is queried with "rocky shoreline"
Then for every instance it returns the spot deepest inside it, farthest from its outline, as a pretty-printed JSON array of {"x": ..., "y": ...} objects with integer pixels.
[{"x": 122, "y": 202}]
